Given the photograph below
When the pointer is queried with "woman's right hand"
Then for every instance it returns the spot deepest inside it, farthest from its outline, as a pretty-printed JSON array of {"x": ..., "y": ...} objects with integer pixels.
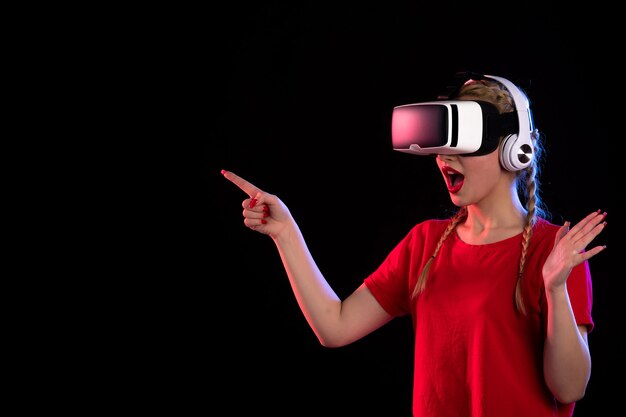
[{"x": 262, "y": 212}]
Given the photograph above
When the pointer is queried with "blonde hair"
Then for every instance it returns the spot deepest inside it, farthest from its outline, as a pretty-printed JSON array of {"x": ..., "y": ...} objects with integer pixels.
[{"x": 527, "y": 183}]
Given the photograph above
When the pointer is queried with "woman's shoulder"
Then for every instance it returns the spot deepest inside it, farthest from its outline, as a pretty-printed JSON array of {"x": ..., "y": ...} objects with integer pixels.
[
  {"x": 423, "y": 233},
  {"x": 544, "y": 226},
  {"x": 544, "y": 230},
  {"x": 430, "y": 226}
]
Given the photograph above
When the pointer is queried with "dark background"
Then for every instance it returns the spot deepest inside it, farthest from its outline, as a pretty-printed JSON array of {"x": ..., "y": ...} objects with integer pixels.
[{"x": 297, "y": 98}]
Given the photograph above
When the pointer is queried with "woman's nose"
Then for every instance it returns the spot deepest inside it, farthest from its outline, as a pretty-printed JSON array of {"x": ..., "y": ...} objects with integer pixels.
[{"x": 444, "y": 157}]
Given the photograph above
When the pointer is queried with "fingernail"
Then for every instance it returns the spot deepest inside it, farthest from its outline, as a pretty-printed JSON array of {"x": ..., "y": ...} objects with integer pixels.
[
  {"x": 223, "y": 171},
  {"x": 252, "y": 203},
  {"x": 263, "y": 221}
]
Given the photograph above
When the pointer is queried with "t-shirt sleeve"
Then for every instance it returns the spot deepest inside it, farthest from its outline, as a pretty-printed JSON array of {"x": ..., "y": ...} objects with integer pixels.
[
  {"x": 580, "y": 292},
  {"x": 388, "y": 283}
]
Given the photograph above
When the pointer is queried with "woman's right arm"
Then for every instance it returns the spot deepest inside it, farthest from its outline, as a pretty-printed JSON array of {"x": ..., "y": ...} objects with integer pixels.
[{"x": 335, "y": 322}]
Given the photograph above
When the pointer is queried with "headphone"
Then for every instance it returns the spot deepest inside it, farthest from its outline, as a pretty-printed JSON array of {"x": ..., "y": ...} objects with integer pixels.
[{"x": 516, "y": 152}]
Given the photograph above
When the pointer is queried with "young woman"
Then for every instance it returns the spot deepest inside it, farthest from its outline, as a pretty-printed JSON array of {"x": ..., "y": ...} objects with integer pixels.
[{"x": 500, "y": 298}]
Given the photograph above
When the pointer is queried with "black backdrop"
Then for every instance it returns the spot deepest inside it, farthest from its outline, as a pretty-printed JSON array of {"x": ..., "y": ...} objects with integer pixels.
[{"x": 297, "y": 99}]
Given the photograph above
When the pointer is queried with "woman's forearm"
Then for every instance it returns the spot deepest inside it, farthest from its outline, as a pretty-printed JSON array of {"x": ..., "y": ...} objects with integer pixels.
[{"x": 567, "y": 362}]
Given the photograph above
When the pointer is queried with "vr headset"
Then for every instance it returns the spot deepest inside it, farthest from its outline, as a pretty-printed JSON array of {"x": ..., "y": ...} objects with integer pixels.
[{"x": 466, "y": 127}]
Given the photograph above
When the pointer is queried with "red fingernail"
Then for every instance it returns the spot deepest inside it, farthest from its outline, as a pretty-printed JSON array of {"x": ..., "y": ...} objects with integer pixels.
[
  {"x": 265, "y": 214},
  {"x": 252, "y": 203},
  {"x": 263, "y": 221},
  {"x": 223, "y": 171}
]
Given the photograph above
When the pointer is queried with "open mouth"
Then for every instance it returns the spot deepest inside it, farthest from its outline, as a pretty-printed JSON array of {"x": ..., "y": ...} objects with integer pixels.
[{"x": 454, "y": 179}]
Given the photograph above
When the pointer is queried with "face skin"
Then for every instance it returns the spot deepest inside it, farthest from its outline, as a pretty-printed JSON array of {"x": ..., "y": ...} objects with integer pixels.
[
  {"x": 485, "y": 187},
  {"x": 471, "y": 179}
]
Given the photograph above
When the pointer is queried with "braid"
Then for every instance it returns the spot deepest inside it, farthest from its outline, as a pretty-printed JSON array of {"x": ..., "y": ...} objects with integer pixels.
[
  {"x": 421, "y": 281},
  {"x": 526, "y": 234},
  {"x": 529, "y": 185}
]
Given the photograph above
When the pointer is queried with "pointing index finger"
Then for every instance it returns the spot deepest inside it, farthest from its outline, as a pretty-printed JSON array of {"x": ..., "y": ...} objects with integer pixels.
[{"x": 246, "y": 186}]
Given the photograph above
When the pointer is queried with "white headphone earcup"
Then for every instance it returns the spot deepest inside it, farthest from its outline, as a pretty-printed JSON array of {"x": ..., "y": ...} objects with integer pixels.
[{"x": 515, "y": 155}]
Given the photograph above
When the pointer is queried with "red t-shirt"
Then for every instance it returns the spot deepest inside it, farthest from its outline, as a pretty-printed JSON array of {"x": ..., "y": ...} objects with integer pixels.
[{"x": 475, "y": 356}]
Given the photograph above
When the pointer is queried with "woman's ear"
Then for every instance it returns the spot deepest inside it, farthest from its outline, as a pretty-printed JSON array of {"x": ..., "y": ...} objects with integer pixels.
[{"x": 535, "y": 134}]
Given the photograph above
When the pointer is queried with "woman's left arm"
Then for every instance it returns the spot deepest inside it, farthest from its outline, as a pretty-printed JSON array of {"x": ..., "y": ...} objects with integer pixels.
[{"x": 566, "y": 358}]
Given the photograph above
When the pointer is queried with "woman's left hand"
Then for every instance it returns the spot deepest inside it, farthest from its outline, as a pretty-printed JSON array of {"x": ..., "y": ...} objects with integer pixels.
[{"x": 569, "y": 248}]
